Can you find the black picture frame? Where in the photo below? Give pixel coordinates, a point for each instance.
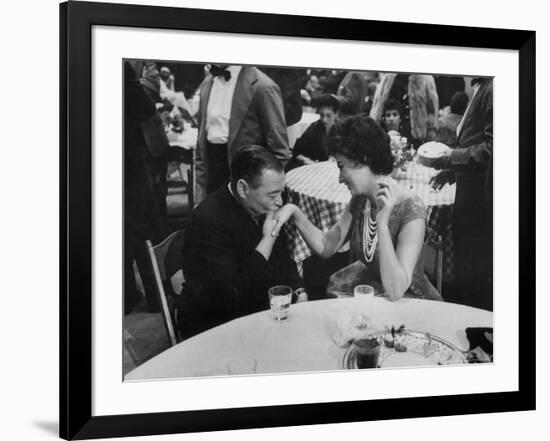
(76, 21)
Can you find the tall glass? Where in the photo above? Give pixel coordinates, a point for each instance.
(280, 297)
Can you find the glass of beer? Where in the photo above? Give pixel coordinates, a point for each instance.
(367, 351)
(280, 297)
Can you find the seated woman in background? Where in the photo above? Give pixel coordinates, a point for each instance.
(384, 222)
(392, 119)
(311, 147)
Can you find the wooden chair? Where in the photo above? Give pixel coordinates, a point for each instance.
(166, 259)
(433, 261)
(182, 156)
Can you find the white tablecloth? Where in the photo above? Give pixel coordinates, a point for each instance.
(185, 140)
(320, 181)
(303, 342)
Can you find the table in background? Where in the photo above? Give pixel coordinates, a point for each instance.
(315, 189)
(186, 139)
(303, 342)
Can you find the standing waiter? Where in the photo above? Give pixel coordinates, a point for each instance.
(239, 105)
(470, 164)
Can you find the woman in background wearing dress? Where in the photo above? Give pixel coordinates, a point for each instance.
(384, 222)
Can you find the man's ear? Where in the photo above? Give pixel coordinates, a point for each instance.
(242, 188)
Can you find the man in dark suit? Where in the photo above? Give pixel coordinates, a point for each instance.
(239, 105)
(471, 164)
(145, 149)
(231, 257)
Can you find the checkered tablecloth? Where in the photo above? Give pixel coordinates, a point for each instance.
(315, 189)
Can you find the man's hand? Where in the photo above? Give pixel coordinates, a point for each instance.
(441, 179)
(268, 239)
(282, 215)
(270, 223)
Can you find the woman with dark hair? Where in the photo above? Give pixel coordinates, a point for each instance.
(392, 118)
(384, 222)
(417, 95)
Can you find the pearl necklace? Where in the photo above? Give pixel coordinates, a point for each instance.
(370, 236)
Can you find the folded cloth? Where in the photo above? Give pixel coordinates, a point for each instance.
(481, 344)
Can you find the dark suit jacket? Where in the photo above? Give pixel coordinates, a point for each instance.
(257, 117)
(311, 144)
(472, 161)
(225, 276)
(145, 148)
(447, 129)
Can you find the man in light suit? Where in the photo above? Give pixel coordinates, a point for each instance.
(239, 105)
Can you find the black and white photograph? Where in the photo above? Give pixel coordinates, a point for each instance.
(281, 220)
(285, 219)
(274, 220)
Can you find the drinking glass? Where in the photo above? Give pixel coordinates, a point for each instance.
(367, 351)
(280, 297)
(363, 291)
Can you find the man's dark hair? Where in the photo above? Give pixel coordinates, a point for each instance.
(361, 140)
(393, 104)
(348, 108)
(250, 163)
(459, 102)
(326, 100)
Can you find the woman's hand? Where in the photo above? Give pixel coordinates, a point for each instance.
(386, 199)
(281, 216)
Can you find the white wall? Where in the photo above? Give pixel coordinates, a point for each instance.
(29, 184)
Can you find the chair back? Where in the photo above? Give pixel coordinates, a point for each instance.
(166, 259)
(432, 255)
(181, 156)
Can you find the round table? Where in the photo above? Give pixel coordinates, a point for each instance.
(303, 342)
(315, 189)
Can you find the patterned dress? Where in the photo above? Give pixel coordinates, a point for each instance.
(360, 271)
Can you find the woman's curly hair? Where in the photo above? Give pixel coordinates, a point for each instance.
(361, 140)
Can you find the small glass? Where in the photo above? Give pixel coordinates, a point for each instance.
(363, 291)
(367, 352)
(280, 298)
